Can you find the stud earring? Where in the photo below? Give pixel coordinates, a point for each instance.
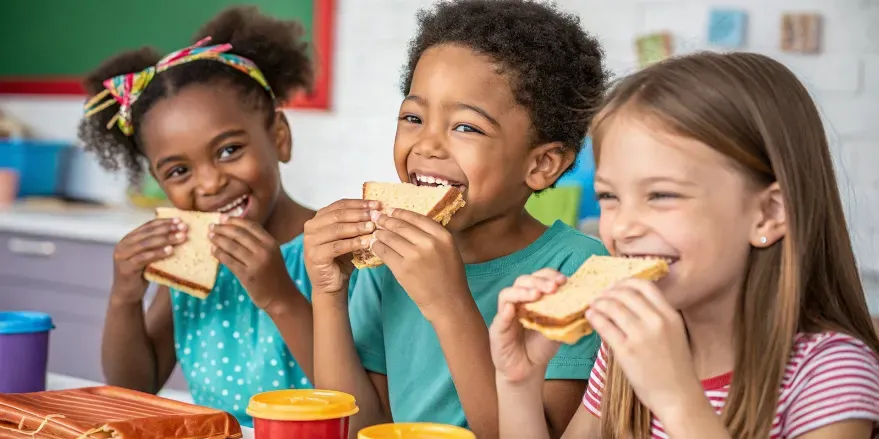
(763, 240)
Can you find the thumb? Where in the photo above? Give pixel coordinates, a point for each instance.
(541, 349)
(505, 324)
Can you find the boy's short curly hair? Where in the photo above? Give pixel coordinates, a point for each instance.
(273, 45)
(555, 68)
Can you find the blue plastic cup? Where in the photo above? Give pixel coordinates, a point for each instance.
(24, 351)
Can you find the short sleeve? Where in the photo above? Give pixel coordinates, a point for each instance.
(595, 388)
(837, 380)
(366, 318)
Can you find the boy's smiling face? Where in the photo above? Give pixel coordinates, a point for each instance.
(210, 153)
(461, 125)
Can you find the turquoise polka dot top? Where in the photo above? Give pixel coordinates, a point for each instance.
(229, 349)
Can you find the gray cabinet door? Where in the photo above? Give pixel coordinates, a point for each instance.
(70, 280)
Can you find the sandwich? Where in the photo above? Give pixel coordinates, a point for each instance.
(436, 202)
(560, 316)
(109, 412)
(192, 267)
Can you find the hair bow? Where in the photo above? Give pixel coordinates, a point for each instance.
(126, 89)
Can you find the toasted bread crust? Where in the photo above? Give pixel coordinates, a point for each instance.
(441, 213)
(652, 274)
(161, 277)
(569, 334)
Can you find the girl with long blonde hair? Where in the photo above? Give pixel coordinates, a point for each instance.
(718, 163)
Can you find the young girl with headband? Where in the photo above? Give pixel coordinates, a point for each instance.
(205, 122)
(718, 163)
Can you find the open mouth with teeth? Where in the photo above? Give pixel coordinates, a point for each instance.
(434, 181)
(668, 259)
(237, 208)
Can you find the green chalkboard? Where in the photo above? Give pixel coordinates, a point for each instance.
(47, 44)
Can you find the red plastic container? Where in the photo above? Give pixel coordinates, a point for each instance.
(301, 413)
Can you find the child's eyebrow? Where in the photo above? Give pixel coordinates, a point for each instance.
(165, 160)
(463, 106)
(226, 134)
(667, 179)
(458, 106)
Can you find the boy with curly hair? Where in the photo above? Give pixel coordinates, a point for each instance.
(498, 98)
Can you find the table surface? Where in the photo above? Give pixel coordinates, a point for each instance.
(63, 382)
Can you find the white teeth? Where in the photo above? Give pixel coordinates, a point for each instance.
(665, 258)
(431, 180)
(234, 205)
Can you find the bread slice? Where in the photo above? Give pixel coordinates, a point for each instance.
(438, 203)
(192, 268)
(559, 316)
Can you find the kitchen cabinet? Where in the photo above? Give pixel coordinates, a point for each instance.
(70, 280)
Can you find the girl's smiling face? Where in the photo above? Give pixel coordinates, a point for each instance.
(461, 125)
(668, 196)
(209, 153)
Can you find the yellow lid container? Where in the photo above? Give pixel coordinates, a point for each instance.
(415, 431)
(302, 405)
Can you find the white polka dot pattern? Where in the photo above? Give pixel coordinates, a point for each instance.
(229, 349)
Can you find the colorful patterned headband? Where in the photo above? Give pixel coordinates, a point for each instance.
(125, 89)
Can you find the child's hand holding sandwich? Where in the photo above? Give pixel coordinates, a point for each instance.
(254, 257)
(423, 257)
(330, 237)
(149, 243)
(521, 356)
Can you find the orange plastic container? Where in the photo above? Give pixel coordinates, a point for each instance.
(301, 413)
(415, 431)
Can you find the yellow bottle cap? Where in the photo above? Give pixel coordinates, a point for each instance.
(301, 405)
(415, 431)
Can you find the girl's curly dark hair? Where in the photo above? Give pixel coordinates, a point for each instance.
(273, 45)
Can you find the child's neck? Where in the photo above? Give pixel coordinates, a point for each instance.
(712, 335)
(287, 219)
(497, 237)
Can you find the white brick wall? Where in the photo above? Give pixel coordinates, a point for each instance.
(334, 152)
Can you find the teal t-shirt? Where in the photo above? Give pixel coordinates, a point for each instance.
(229, 349)
(393, 337)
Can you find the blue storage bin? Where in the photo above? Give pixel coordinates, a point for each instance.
(40, 165)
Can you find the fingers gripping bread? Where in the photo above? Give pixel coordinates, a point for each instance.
(438, 203)
(560, 316)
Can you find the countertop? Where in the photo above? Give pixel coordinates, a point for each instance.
(88, 223)
(97, 223)
(63, 382)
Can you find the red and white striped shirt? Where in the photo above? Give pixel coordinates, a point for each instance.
(831, 377)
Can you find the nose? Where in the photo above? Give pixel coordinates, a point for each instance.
(210, 181)
(431, 143)
(627, 223)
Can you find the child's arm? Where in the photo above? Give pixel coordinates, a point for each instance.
(528, 405)
(464, 341)
(422, 255)
(255, 258)
(337, 364)
(137, 350)
(330, 237)
(293, 317)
